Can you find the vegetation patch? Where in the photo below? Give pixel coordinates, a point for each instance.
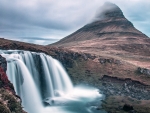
(9, 103)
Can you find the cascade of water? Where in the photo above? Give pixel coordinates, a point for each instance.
(24, 85)
(54, 77)
(38, 77)
(22, 72)
(55, 74)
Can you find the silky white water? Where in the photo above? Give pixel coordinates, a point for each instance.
(44, 86)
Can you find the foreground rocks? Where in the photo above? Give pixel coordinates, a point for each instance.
(125, 95)
(144, 71)
(124, 87)
(123, 104)
(127, 107)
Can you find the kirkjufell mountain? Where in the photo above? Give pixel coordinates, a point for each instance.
(110, 32)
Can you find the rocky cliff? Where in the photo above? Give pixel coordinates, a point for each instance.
(4, 82)
(9, 101)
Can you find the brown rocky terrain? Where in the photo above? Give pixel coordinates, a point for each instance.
(110, 75)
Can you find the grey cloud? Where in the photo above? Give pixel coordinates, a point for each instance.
(55, 19)
(14, 14)
(35, 40)
(138, 13)
(34, 18)
(38, 38)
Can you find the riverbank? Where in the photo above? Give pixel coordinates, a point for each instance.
(124, 95)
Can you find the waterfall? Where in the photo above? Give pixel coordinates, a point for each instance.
(39, 79)
(24, 86)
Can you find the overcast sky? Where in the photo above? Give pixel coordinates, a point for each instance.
(47, 21)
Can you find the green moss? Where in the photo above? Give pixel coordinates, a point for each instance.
(4, 109)
(13, 104)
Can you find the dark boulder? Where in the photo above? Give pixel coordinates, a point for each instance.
(144, 71)
(127, 107)
(3, 63)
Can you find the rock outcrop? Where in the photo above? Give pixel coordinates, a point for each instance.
(144, 71)
(3, 63)
(9, 101)
(127, 107)
(116, 86)
(4, 82)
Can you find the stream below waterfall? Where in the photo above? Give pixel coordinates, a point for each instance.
(45, 87)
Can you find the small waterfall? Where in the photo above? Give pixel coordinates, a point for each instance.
(38, 78)
(24, 85)
(55, 76)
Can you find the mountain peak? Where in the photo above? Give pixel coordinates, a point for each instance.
(110, 23)
(109, 11)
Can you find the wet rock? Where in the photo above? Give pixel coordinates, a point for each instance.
(98, 108)
(88, 73)
(4, 82)
(9, 101)
(3, 63)
(127, 107)
(102, 61)
(85, 57)
(124, 87)
(109, 60)
(117, 62)
(144, 71)
(90, 56)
